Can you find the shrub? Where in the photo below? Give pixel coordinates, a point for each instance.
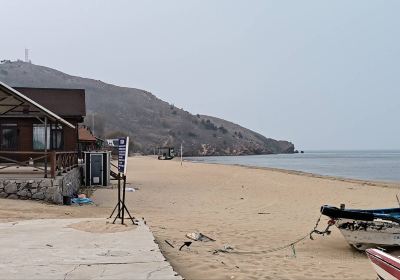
(172, 133)
(223, 129)
(164, 124)
(209, 125)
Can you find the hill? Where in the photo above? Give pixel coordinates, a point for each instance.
(149, 121)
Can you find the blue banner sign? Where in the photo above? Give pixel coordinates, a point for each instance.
(123, 145)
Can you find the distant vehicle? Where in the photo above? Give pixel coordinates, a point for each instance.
(166, 153)
(112, 145)
(112, 142)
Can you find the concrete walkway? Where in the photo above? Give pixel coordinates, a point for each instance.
(49, 249)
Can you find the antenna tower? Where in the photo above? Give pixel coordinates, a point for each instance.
(27, 55)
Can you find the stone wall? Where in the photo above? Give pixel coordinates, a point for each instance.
(47, 189)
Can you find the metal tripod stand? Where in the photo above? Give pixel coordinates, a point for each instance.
(121, 206)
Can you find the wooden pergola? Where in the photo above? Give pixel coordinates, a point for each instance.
(15, 105)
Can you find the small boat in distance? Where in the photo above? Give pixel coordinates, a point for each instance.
(365, 229)
(166, 153)
(386, 266)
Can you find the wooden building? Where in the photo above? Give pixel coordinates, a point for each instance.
(87, 141)
(39, 127)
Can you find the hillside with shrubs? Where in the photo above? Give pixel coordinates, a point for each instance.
(148, 120)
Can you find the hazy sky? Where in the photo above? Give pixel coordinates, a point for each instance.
(322, 74)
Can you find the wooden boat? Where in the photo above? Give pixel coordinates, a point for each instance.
(386, 266)
(366, 228)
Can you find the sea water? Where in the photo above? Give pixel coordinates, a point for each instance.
(364, 165)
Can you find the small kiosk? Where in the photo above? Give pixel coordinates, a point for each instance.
(97, 168)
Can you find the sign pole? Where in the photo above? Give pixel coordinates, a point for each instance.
(119, 193)
(123, 200)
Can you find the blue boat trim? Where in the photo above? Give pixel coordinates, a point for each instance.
(390, 214)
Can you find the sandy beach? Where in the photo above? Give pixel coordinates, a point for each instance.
(252, 210)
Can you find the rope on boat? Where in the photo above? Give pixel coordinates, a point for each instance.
(290, 245)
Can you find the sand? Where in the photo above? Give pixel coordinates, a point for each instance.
(102, 226)
(252, 210)
(14, 210)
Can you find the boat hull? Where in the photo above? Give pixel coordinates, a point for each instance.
(363, 235)
(386, 266)
(366, 228)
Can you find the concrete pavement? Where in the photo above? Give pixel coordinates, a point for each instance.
(50, 249)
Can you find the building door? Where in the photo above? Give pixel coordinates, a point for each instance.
(96, 169)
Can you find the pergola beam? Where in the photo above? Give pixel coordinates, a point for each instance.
(15, 96)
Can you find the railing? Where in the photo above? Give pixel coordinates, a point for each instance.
(52, 163)
(62, 162)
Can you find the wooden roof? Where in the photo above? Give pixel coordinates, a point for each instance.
(15, 104)
(84, 135)
(63, 102)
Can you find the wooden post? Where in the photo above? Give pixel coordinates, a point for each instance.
(45, 147)
(53, 164)
(54, 142)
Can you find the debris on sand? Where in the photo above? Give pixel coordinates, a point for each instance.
(225, 249)
(187, 244)
(169, 243)
(81, 201)
(198, 236)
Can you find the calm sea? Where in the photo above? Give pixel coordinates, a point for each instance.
(364, 165)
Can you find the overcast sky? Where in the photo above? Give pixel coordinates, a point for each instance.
(322, 74)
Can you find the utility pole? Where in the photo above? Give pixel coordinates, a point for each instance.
(93, 123)
(181, 153)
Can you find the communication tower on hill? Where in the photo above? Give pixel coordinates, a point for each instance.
(27, 55)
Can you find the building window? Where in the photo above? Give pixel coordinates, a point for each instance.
(9, 136)
(55, 137)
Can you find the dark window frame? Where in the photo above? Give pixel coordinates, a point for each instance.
(14, 127)
(53, 137)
